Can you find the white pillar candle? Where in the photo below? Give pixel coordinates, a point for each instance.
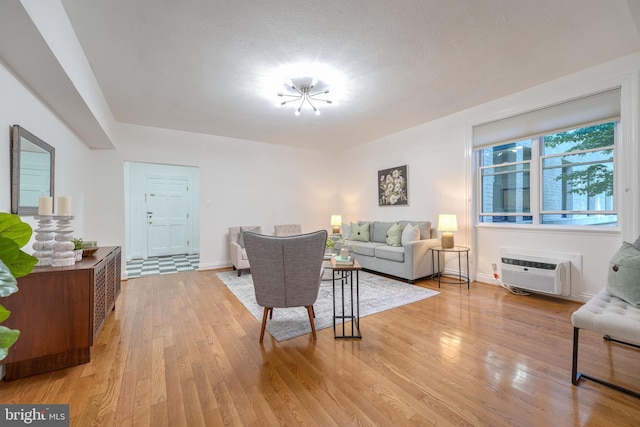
(64, 206)
(45, 205)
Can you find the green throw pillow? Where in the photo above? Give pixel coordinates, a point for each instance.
(359, 232)
(394, 235)
(623, 278)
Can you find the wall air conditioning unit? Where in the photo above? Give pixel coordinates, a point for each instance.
(549, 276)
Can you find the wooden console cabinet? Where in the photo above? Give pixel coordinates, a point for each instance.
(60, 311)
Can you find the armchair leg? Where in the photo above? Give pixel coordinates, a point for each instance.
(266, 311)
(311, 315)
(239, 272)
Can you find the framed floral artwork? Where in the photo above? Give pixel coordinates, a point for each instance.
(392, 187)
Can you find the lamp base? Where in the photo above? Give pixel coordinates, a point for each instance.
(447, 240)
(336, 229)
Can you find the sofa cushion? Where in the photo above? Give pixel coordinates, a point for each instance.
(394, 235)
(392, 253)
(623, 278)
(359, 232)
(365, 248)
(411, 233)
(379, 232)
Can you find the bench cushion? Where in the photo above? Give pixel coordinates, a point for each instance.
(609, 315)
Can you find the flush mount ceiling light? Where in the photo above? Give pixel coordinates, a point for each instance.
(306, 86)
(305, 93)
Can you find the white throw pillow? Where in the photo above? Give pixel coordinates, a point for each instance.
(411, 233)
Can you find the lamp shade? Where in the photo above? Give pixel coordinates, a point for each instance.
(336, 222)
(447, 222)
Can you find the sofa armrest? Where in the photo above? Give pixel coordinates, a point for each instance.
(236, 253)
(420, 247)
(418, 253)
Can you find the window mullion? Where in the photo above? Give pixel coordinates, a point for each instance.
(536, 178)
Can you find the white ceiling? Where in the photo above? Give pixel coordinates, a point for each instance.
(201, 65)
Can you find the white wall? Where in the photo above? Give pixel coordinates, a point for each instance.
(248, 183)
(18, 105)
(438, 154)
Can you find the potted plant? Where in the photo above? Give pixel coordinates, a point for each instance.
(14, 263)
(77, 249)
(330, 245)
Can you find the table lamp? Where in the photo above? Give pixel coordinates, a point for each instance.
(336, 222)
(447, 223)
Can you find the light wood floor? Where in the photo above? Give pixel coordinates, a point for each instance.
(180, 350)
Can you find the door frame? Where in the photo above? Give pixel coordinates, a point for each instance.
(136, 174)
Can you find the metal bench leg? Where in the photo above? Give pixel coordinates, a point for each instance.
(576, 375)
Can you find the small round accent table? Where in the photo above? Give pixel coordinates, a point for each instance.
(438, 250)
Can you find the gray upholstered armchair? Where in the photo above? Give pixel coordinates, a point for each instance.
(286, 271)
(236, 246)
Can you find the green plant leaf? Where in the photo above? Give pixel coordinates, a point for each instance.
(8, 283)
(4, 313)
(7, 338)
(13, 235)
(8, 250)
(17, 261)
(23, 265)
(12, 227)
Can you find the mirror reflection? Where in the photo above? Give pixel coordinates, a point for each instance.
(32, 171)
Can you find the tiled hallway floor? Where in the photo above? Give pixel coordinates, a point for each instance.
(162, 265)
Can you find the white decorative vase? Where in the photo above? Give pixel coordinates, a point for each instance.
(344, 253)
(78, 254)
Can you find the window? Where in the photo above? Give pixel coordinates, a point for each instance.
(577, 176)
(505, 175)
(562, 178)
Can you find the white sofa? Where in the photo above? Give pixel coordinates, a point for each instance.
(410, 261)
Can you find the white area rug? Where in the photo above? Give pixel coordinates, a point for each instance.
(377, 294)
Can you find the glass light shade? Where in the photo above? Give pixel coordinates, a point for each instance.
(336, 222)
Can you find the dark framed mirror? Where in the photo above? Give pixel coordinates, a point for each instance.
(32, 171)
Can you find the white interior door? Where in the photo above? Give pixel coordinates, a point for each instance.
(167, 216)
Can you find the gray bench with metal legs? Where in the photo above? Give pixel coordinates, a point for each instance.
(611, 317)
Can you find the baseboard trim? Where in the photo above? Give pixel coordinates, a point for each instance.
(213, 265)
